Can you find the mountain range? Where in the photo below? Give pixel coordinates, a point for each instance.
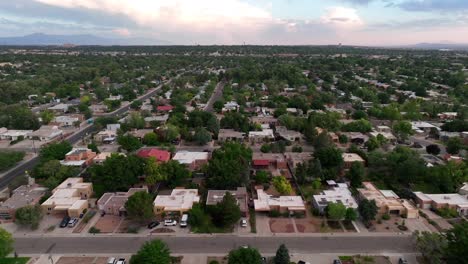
(40, 39)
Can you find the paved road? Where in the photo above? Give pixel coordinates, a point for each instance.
(216, 244)
(217, 93)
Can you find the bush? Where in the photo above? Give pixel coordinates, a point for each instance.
(94, 230)
(214, 262)
(88, 216)
(402, 227)
(274, 213)
(386, 217)
(252, 221)
(133, 229)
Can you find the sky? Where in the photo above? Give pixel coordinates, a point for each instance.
(234, 22)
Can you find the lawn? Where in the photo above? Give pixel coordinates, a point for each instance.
(22, 260)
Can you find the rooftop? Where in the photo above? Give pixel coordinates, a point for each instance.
(23, 196)
(265, 201)
(188, 157)
(352, 157)
(180, 199)
(160, 155)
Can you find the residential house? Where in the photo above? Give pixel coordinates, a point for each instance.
(164, 108)
(294, 158)
(13, 135)
(178, 202)
(289, 135)
(59, 108)
(230, 106)
(339, 194)
(350, 158)
(66, 121)
(103, 156)
(241, 195)
(98, 108)
(140, 133)
(265, 135)
(46, 133)
(160, 119)
(69, 198)
(275, 163)
(357, 138)
(114, 203)
(439, 201)
(421, 127)
(464, 189)
(230, 135)
(193, 160)
(108, 135)
(79, 157)
(264, 120)
(448, 115)
(25, 195)
(159, 154)
(387, 201)
(266, 203)
(115, 97)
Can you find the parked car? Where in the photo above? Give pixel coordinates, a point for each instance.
(64, 222)
(302, 262)
(72, 222)
(170, 222)
(111, 260)
(402, 261)
(184, 220)
(264, 260)
(243, 223)
(121, 261)
(336, 261)
(153, 224)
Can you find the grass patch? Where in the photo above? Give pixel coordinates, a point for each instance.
(21, 260)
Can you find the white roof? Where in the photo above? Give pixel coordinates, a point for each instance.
(340, 194)
(265, 201)
(63, 119)
(188, 157)
(352, 157)
(180, 199)
(264, 133)
(59, 107)
(451, 198)
(16, 133)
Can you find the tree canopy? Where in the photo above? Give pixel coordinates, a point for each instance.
(152, 252)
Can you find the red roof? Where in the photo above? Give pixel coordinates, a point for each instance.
(160, 155)
(261, 162)
(165, 108)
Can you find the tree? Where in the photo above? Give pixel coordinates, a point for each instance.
(457, 244)
(454, 145)
(244, 256)
(350, 214)
(135, 120)
(227, 212)
(139, 206)
(322, 141)
(129, 143)
(343, 139)
(368, 210)
(150, 139)
(329, 157)
(218, 106)
(6, 243)
(403, 129)
(47, 116)
(152, 252)
(92, 146)
(372, 144)
(176, 174)
(431, 245)
(29, 216)
(336, 211)
(282, 185)
(433, 149)
(202, 136)
(282, 255)
(153, 172)
(361, 125)
(136, 104)
(55, 151)
(356, 174)
(261, 177)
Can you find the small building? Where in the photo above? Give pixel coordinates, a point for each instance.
(164, 108)
(454, 201)
(159, 154)
(464, 189)
(289, 135)
(448, 115)
(25, 195)
(69, 198)
(338, 194)
(59, 108)
(357, 138)
(230, 106)
(79, 157)
(230, 135)
(350, 158)
(114, 203)
(98, 108)
(103, 156)
(216, 196)
(178, 202)
(66, 121)
(266, 161)
(193, 160)
(261, 136)
(160, 119)
(294, 158)
(421, 127)
(46, 133)
(106, 136)
(13, 135)
(266, 203)
(140, 133)
(387, 201)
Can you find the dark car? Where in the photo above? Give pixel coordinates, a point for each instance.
(336, 261)
(153, 224)
(402, 261)
(65, 221)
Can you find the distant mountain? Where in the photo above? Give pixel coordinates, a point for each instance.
(40, 39)
(437, 46)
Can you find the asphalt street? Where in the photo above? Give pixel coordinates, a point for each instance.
(215, 244)
(217, 94)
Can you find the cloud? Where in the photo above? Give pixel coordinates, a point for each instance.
(342, 17)
(358, 2)
(434, 5)
(122, 32)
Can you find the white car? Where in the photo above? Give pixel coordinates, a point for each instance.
(243, 223)
(72, 222)
(170, 222)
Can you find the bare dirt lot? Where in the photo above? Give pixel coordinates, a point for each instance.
(82, 260)
(282, 225)
(108, 223)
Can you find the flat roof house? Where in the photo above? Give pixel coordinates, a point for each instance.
(79, 157)
(46, 133)
(261, 136)
(114, 203)
(159, 154)
(339, 194)
(22, 196)
(70, 198)
(66, 121)
(455, 201)
(216, 196)
(266, 202)
(6, 134)
(178, 202)
(350, 158)
(289, 135)
(193, 160)
(387, 201)
(230, 135)
(274, 162)
(59, 108)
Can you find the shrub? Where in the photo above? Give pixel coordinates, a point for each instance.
(403, 227)
(94, 230)
(252, 221)
(214, 262)
(386, 217)
(274, 213)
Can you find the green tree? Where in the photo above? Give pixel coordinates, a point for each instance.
(244, 256)
(351, 214)
(322, 141)
(29, 216)
(47, 116)
(454, 145)
(372, 144)
(153, 172)
(226, 213)
(457, 244)
(403, 129)
(202, 136)
(152, 252)
(139, 206)
(282, 255)
(136, 104)
(92, 146)
(176, 174)
(129, 142)
(55, 151)
(151, 139)
(431, 245)
(433, 149)
(356, 174)
(336, 211)
(6, 243)
(329, 157)
(282, 185)
(261, 177)
(368, 210)
(135, 120)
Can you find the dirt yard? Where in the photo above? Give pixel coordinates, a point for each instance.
(82, 260)
(282, 225)
(308, 225)
(108, 223)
